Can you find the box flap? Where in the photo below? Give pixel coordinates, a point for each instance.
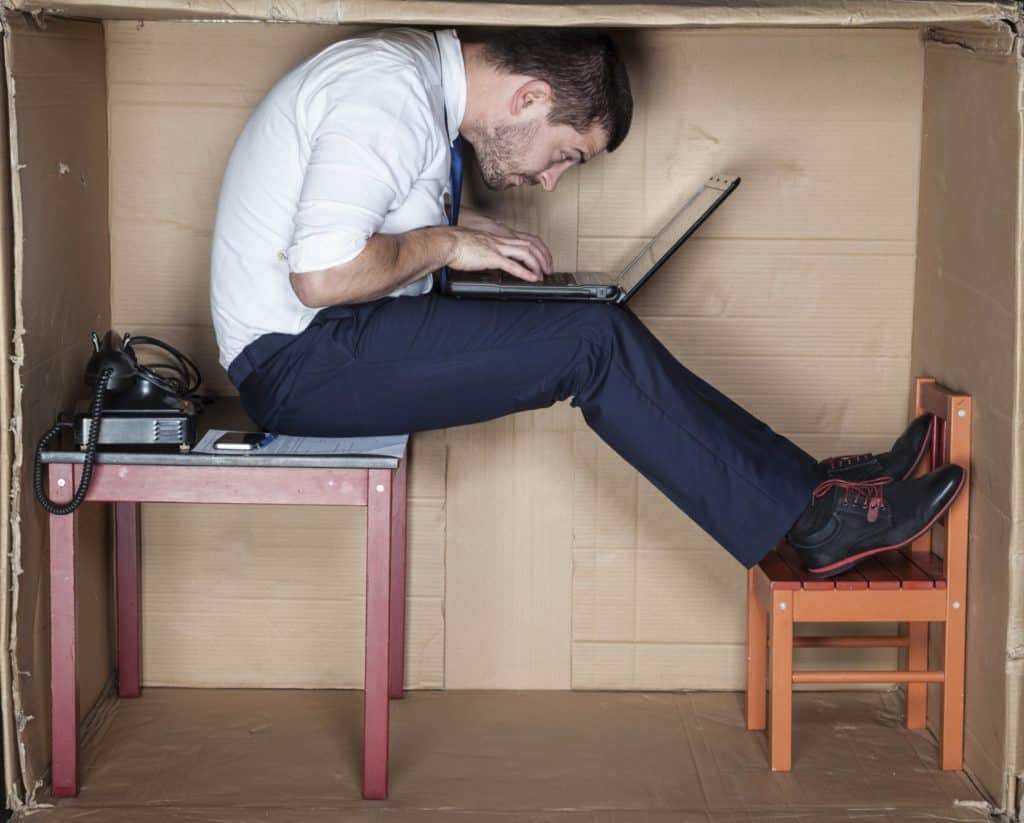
(446, 12)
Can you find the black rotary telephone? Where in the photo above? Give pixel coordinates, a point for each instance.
(132, 405)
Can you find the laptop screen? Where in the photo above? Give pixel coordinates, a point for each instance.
(685, 222)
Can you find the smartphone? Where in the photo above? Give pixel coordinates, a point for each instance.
(239, 441)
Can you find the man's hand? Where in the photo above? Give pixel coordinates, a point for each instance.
(474, 220)
(474, 250)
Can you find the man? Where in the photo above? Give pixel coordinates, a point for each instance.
(331, 221)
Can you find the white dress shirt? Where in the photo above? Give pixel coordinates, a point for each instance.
(350, 143)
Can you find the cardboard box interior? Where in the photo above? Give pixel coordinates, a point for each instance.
(875, 237)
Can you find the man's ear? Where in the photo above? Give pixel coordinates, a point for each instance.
(529, 96)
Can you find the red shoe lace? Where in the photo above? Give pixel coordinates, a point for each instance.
(848, 458)
(867, 494)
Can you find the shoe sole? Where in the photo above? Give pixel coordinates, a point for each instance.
(924, 448)
(848, 563)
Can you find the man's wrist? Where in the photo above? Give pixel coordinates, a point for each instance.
(447, 243)
(432, 247)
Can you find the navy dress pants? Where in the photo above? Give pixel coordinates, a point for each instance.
(407, 364)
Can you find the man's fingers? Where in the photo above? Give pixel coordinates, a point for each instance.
(545, 254)
(520, 250)
(538, 250)
(510, 263)
(513, 268)
(542, 249)
(524, 257)
(524, 253)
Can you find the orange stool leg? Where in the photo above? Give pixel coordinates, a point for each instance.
(917, 661)
(780, 729)
(952, 746)
(757, 658)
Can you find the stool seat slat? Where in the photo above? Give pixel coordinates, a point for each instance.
(910, 576)
(778, 572)
(929, 563)
(877, 575)
(807, 581)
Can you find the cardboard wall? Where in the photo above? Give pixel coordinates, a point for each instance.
(57, 97)
(967, 332)
(795, 299)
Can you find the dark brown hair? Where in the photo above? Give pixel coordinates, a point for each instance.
(584, 68)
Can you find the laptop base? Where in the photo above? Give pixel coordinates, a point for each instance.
(529, 291)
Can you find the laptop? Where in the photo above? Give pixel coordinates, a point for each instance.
(598, 286)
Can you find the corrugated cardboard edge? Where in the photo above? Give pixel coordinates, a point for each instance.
(12, 707)
(748, 13)
(1015, 623)
(995, 40)
(6, 444)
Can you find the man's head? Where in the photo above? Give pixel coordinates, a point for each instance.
(540, 100)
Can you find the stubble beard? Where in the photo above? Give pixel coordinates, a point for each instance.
(501, 150)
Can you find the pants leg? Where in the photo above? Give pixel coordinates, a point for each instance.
(408, 364)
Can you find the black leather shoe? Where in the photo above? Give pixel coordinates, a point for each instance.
(898, 463)
(852, 521)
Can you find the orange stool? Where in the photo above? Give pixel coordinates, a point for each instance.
(911, 585)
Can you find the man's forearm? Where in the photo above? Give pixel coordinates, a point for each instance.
(388, 262)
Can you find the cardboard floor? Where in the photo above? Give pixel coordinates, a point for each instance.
(199, 755)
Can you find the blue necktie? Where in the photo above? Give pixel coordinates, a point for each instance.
(456, 193)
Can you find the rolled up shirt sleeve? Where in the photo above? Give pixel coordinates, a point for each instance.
(366, 152)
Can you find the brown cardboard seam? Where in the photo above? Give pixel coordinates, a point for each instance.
(1014, 670)
(765, 13)
(6, 706)
(8, 735)
(15, 791)
(999, 40)
(1015, 637)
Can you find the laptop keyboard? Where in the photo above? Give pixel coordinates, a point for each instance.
(558, 278)
(500, 278)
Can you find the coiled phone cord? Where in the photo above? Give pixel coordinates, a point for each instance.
(96, 412)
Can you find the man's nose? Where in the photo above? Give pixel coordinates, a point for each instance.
(549, 177)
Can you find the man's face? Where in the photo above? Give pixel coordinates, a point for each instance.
(531, 151)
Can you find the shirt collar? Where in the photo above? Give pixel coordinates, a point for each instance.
(454, 80)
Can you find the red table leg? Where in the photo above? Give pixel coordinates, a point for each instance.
(63, 671)
(126, 537)
(396, 678)
(378, 606)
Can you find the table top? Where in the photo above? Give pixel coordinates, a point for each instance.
(223, 413)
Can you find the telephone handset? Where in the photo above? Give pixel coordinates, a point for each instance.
(132, 404)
